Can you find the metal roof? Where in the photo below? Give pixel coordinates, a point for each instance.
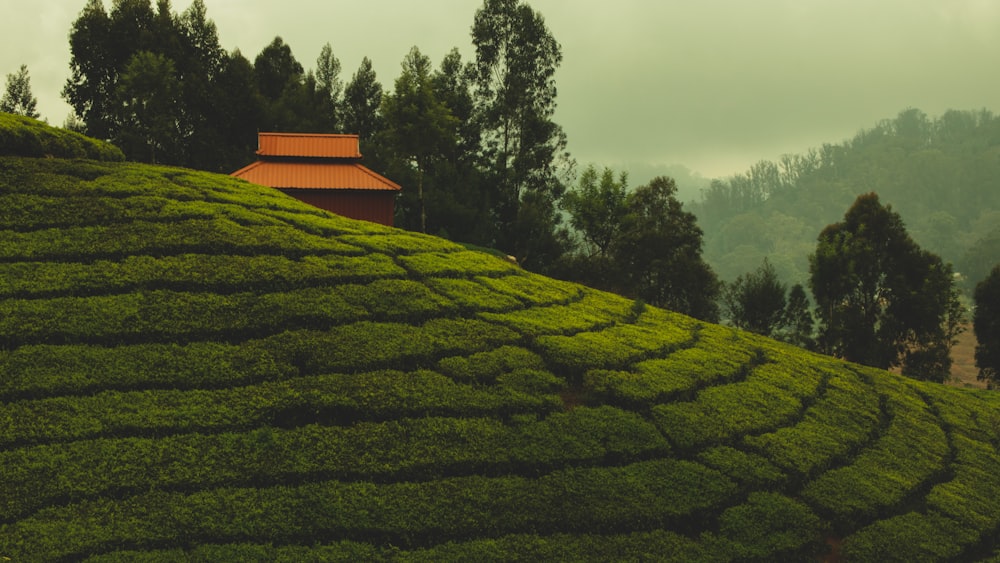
(312, 145)
(315, 175)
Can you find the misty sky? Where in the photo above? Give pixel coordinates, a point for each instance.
(714, 85)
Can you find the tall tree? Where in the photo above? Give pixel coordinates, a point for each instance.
(756, 301)
(881, 300)
(148, 93)
(329, 85)
(362, 99)
(986, 325)
(17, 96)
(93, 71)
(276, 69)
(516, 60)
(419, 126)
(659, 253)
(798, 321)
(596, 209)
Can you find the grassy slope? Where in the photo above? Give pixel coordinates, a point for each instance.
(196, 368)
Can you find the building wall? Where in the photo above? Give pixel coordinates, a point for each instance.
(377, 206)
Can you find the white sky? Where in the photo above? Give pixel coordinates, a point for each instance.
(714, 85)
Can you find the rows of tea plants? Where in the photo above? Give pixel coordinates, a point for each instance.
(195, 368)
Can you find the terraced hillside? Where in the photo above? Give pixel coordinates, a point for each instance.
(195, 368)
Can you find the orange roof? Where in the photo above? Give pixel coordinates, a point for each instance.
(315, 175)
(308, 145)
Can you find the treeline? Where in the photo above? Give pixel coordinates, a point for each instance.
(473, 142)
(941, 175)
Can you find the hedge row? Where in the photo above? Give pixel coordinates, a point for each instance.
(914, 536)
(663, 379)
(485, 367)
(645, 495)
(393, 299)
(615, 347)
(910, 454)
(408, 449)
(533, 290)
(176, 316)
(344, 398)
(43, 370)
(554, 319)
(24, 136)
(191, 272)
(473, 297)
(457, 264)
(399, 243)
(746, 468)
(769, 398)
(216, 236)
(659, 545)
(724, 413)
(836, 426)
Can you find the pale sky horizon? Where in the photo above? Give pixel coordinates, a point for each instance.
(713, 85)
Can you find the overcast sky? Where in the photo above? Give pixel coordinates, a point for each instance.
(714, 85)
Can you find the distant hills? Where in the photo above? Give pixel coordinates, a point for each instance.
(196, 368)
(942, 175)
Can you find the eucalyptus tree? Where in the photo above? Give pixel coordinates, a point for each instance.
(362, 99)
(523, 149)
(418, 125)
(881, 300)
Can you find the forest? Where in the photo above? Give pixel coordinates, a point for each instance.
(484, 164)
(941, 174)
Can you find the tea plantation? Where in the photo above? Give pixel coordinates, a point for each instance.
(193, 368)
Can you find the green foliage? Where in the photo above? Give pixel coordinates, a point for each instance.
(883, 301)
(24, 136)
(756, 301)
(911, 452)
(771, 526)
(986, 325)
(775, 208)
(17, 97)
(659, 253)
(196, 368)
(516, 59)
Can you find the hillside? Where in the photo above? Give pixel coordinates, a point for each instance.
(196, 368)
(942, 175)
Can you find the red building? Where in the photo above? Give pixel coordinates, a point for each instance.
(324, 171)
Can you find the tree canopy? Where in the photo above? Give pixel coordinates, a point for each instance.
(986, 326)
(881, 300)
(17, 97)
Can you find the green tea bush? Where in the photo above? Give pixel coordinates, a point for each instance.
(912, 451)
(837, 425)
(593, 500)
(913, 536)
(554, 319)
(748, 469)
(39, 371)
(24, 136)
(533, 290)
(393, 299)
(407, 449)
(401, 243)
(487, 366)
(680, 373)
(217, 236)
(456, 264)
(771, 526)
(723, 413)
(471, 296)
